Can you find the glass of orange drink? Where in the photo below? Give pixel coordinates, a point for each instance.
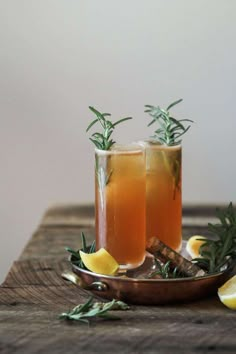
(120, 198)
(163, 193)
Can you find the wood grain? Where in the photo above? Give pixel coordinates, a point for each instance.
(34, 294)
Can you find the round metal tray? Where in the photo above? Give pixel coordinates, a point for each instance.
(134, 289)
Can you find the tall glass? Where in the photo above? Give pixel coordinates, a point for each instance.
(163, 193)
(120, 203)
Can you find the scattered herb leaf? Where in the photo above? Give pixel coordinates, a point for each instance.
(90, 309)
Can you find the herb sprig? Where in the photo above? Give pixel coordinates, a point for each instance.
(216, 253)
(170, 129)
(165, 271)
(84, 312)
(86, 249)
(103, 140)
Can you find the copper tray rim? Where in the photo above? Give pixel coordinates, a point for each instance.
(144, 280)
(127, 279)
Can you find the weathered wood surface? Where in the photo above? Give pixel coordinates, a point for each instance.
(34, 294)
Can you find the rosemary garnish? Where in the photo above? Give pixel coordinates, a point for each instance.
(90, 309)
(86, 249)
(169, 132)
(172, 161)
(103, 140)
(102, 176)
(165, 270)
(171, 129)
(216, 253)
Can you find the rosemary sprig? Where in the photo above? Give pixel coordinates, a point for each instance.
(87, 249)
(103, 176)
(103, 140)
(170, 129)
(216, 253)
(165, 270)
(84, 312)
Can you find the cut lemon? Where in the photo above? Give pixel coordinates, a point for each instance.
(227, 293)
(100, 262)
(194, 244)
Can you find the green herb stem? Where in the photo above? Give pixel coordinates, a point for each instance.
(171, 129)
(103, 140)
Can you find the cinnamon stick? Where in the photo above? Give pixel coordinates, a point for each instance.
(164, 253)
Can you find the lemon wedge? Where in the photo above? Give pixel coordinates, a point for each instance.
(100, 262)
(227, 293)
(193, 245)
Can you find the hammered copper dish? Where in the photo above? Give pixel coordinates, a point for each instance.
(134, 289)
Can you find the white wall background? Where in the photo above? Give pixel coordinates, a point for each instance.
(59, 56)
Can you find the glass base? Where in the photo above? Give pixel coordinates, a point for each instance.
(124, 267)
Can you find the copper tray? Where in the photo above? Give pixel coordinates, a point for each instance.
(134, 289)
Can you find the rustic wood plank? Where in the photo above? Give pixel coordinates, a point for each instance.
(69, 215)
(40, 282)
(61, 226)
(142, 329)
(50, 242)
(44, 272)
(34, 294)
(77, 215)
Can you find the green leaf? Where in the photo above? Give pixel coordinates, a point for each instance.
(182, 133)
(109, 144)
(83, 241)
(186, 120)
(149, 106)
(106, 114)
(177, 123)
(174, 103)
(121, 120)
(98, 114)
(98, 136)
(91, 124)
(97, 143)
(152, 121)
(93, 247)
(74, 253)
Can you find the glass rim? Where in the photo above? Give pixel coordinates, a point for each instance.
(130, 148)
(158, 144)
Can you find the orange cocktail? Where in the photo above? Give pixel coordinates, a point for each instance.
(163, 193)
(120, 203)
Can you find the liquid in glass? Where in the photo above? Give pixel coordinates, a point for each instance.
(120, 200)
(163, 194)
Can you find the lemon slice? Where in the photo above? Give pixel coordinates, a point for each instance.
(193, 245)
(100, 262)
(227, 293)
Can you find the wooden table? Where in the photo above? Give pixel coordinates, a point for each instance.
(34, 294)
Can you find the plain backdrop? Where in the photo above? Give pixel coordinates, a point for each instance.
(57, 57)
